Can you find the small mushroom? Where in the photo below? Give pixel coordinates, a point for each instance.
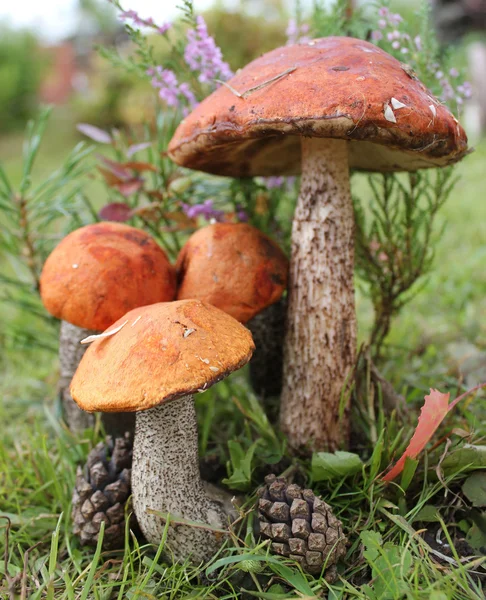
(93, 277)
(154, 368)
(234, 267)
(289, 112)
(237, 268)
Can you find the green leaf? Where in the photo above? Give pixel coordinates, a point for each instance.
(474, 488)
(467, 458)
(372, 541)
(409, 469)
(327, 466)
(476, 536)
(241, 466)
(427, 514)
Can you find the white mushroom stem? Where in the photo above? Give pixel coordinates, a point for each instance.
(320, 345)
(166, 478)
(71, 351)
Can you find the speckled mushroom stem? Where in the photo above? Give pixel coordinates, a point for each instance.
(320, 344)
(71, 351)
(166, 478)
(70, 354)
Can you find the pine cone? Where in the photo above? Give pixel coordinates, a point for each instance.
(101, 491)
(301, 526)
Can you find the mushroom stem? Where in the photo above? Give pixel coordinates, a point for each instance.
(70, 354)
(320, 344)
(71, 351)
(166, 478)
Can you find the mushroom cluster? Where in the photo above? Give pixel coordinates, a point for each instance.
(158, 358)
(319, 109)
(92, 278)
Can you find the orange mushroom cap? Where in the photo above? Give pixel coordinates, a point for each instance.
(233, 266)
(99, 272)
(335, 87)
(162, 352)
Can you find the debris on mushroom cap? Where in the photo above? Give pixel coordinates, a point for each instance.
(143, 366)
(99, 272)
(258, 133)
(234, 267)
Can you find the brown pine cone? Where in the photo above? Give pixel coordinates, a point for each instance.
(101, 491)
(301, 526)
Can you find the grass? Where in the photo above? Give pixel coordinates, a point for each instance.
(392, 531)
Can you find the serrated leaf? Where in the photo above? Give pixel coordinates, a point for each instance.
(327, 465)
(432, 413)
(474, 488)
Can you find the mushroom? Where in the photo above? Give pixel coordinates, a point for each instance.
(156, 361)
(319, 108)
(93, 277)
(240, 270)
(234, 267)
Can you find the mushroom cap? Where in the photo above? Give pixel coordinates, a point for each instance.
(234, 267)
(335, 87)
(99, 272)
(164, 351)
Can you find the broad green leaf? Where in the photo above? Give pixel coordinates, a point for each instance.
(427, 514)
(474, 488)
(327, 466)
(469, 457)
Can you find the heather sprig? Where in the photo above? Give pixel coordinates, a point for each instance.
(297, 33)
(203, 56)
(132, 17)
(194, 66)
(420, 52)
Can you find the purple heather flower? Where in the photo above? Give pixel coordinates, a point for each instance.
(204, 56)
(274, 182)
(453, 72)
(205, 210)
(418, 42)
(170, 91)
(376, 36)
(297, 34)
(241, 214)
(382, 23)
(383, 11)
(395, 19)
(139, 22)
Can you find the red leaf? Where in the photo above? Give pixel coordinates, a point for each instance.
(139, 166)
(129, 187)
(116, 211)
(115, 167)
(110, 178)
(432, 414)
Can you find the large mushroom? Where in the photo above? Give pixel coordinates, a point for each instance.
(319, 108)
(240, 270)
(93, 277)
(160, 357)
